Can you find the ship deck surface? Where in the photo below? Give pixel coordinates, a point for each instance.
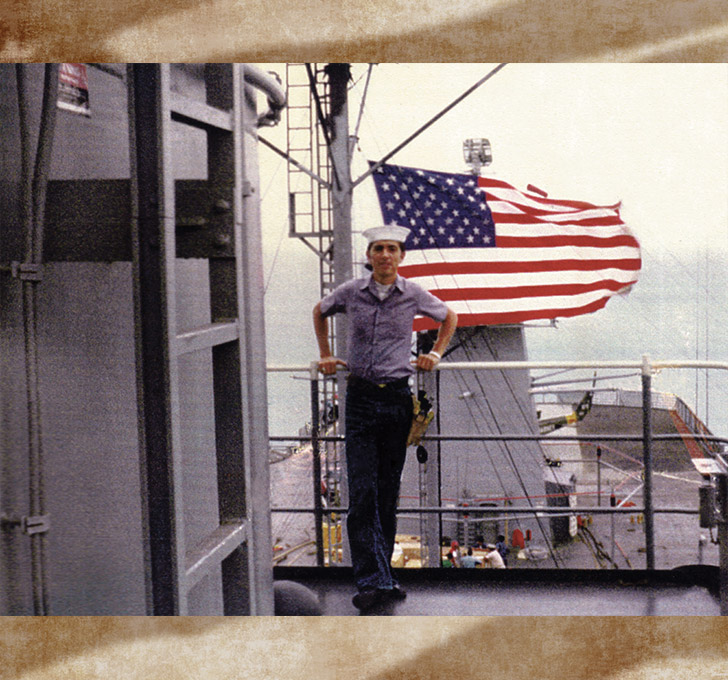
(689, 591)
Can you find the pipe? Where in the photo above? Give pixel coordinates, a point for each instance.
(34, 198)
(273, 90)
(525, 365)
(318, 505)
(647, 454)
(527, 511)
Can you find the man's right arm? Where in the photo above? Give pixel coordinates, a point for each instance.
(328, 362)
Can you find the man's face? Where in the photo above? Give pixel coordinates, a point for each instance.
(385, 257)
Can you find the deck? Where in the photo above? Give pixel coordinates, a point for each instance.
(685, 591)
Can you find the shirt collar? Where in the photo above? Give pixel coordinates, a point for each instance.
(369, 283)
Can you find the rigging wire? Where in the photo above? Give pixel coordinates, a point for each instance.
(673, 339)
(430, 122)
(527, 418)
(355, 136)
(283, 233)
(693, 274)
(453, 196)
(462, 384)
(504, 446)
(460, 379)
(647, 252)
(507, 448)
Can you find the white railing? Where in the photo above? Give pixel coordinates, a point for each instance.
(714, 493)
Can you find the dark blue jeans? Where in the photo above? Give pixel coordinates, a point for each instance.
(377, 424)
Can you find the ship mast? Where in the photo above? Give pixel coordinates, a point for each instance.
(320, 203)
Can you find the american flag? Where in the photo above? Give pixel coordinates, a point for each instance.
(498, 255)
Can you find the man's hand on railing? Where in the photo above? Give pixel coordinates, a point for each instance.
(329, 365)
(426, 362)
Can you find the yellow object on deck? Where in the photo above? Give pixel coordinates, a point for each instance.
(332, 537)
(420, 422)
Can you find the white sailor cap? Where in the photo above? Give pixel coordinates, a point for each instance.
(388, 232)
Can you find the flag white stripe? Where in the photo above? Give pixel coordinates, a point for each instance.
(506, 281)
(490, 306)
(515, 196)
(505, 207)
(592, 253)
(547, 229)
(453, 255)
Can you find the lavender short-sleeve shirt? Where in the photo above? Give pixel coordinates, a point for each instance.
(380, 331)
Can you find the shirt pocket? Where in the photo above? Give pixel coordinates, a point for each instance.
(396, 320)
(362, 324)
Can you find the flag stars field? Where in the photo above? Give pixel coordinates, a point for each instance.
(498, 255)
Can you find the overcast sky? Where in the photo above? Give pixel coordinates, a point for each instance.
(653, 136)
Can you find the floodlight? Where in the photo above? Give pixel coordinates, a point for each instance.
(477, 154)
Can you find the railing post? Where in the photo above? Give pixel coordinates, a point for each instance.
(599, 476)
(613, 504)
(316, 452)
(432, 535)
(647, 458)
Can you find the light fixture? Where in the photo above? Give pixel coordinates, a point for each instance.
(477, 154)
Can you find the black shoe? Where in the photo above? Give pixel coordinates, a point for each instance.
(366, 599)
(397, 593)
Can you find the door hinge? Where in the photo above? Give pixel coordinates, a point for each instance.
(26, 271)
(33, 524)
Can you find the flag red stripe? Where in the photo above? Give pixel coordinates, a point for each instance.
(489, 182)
(523, 218)
(578, 240)
(492, 198)
(455, 268)
(511, 292)
(495, 318)
(530, 250)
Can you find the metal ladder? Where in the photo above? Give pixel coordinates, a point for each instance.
(309, 200)
(311, 219)
(202, 220)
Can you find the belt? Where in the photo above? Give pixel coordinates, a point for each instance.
(398, 384)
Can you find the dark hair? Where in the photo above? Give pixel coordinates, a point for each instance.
(402, 247)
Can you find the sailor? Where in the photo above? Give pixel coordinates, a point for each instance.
(502, 548)
(381, 308)
(469, 561)
(493, 558)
